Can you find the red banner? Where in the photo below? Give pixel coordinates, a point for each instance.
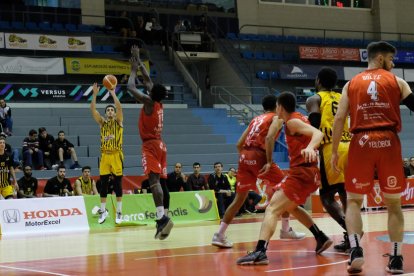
(376, 199)
(329, 53)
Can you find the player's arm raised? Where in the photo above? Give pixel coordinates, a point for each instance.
(119, 113)
(297, 126)
(132, 89)
(147, 79)
(95, 114)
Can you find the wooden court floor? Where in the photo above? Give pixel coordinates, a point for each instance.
(134, 251)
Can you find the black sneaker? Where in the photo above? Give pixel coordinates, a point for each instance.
(344, 246)
(395, 265)
(322, 243)
(356, 260)
(254, 258)
(164, 226)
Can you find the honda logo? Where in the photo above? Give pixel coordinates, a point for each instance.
(11, 216)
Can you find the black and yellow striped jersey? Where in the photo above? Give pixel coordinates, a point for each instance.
(111, 136)
(86, 187)
(5, 164)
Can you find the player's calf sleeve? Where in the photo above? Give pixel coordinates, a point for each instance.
(118, 185)
(104, 185)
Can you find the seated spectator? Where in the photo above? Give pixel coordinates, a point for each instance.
(63, 149)
(13, 153)
(111, 183)
(32, 151)
(196, 181)
(5, 118)
(58, 185)
(46, 145)
(85, 185)
(221, 186)
(27, 184)
(406, 166)
(411, 166)
(176, 180)
(6, 173)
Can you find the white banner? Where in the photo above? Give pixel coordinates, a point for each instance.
(47, 42)
(31, 66)
(350, 72)
(42, 215)
(1, 40)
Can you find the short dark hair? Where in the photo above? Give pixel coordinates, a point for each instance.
(158, 92)
(32, 132)
(196, 164)
(86, 168)
(61, 131)
(3, 138)
(269, 102)
(218, 163)
(379, 47)
(110, 105)
(41, 129)
(61, 167)
(327, 78)
(287, 100)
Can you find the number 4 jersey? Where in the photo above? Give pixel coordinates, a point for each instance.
(374, 101)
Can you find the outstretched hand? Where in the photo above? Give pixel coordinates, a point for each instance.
(135, 51)
(134, 63)
(95, 89)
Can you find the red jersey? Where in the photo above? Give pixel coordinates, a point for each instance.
(150, 126)
(374, 101)
(257, 131)
(296, 143)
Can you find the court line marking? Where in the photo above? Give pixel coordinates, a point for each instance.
(305, 267)
(33, 270)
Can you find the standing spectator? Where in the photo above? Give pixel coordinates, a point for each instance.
(85, 185)
(218, 182)
(58, 185)
(65, 150)
(46, 145)
(27, 184)
(31, 149)
(196, 181)
(6, 173)
(5, 117)
(13, 153)
(176, 179)
(411, 166)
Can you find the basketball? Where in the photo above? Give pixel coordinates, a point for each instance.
(110, 82)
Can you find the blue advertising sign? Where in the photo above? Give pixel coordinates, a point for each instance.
(404, 57)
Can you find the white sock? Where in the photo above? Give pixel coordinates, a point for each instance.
(396, 248)
(285, 224)
(103, 206)
(222, 228)
(354, 240)
(160, 212)
(119, 206)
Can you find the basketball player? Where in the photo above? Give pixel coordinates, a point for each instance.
(322, 109)
(302, 179)
(256, 146)
(6, 172)
(372, 99)
(111, 151)
(154, 151)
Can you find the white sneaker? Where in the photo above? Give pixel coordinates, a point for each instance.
(55, 166)
(102, 216)
(291, 235)
(221, 241)
(118, 218)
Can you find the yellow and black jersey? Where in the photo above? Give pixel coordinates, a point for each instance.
(86, 186)
(5, 164)
(111, 136)
(329, 107)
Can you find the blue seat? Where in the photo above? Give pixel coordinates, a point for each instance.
(231, 36)
(247, 54)
(260, 56)
(71, 27)
(108, 49)
(58, 27)
(17, 25)
(153, 73)
(45, 26)
(268, 55)
(276, 38)
(5, 25)
(244, 37)
(277, 56)
(97, 49)
(274, 75)
(32, 26)
(291, 39)
(262, 75)
(86, 28)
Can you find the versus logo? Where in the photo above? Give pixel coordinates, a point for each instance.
(204, 204)
(11, 216)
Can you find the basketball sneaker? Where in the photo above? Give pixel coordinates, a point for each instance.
(221, 241)
(254, 258)
(118, 218)
(102, 216)
(344, 246)
(291, 235)
(164, 226)
(322, 243)
(395, 265)
(356, 260)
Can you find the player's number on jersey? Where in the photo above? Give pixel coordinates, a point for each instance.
(334, 107)
(372, 91)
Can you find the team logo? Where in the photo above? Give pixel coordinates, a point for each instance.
(363, 140)
(392, 181)
(204, 204)
(11, 216)
(75, 64)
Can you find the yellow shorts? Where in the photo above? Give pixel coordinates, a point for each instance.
(7, 191)
(332, 176)
(111, 162)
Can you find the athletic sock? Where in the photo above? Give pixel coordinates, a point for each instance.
(396, 248)
(261, 245)
(119, 206)
(285, 224)
(315, 230)
(354, 240)
(160, 212)
(222, 228)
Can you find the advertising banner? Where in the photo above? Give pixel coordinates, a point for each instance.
(376, 199)
(43, 215)
(139, 209)
(329, 53)
(305, 72)
(99, 66)
(1, 40)
(47, 42)
(31, 66)
(404, 57)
